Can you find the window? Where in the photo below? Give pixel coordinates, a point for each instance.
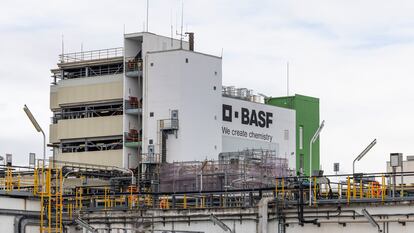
(301, 158)
(301, 137)
(91, 144)
(186, 60)
(214, 88)
(150, 141)
(152, 64)
(88, 111)
(215, 72)
(286, 135)
(151, 114)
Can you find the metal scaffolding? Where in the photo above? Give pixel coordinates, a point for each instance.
(233, 170)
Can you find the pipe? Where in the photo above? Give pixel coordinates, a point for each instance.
(127, 171)
(28, 222)
(17, 221)
(263, 214)
(190, 40)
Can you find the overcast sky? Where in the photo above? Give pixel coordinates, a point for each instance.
(356, 56)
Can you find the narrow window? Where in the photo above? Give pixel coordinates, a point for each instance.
(301, 158)
(286, 135)
(301, 137)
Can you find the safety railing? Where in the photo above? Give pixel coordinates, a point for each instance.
(133, 64)
(46, 182)
(150, 158)
(168, 124)
(92, 55)
(133, 103)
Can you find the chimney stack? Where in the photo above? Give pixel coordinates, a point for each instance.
(191, 40)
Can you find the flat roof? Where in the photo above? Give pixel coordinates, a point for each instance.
(133, 35)
(184, 50)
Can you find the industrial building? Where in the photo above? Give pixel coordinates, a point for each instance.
(145, 138)
(157, 100)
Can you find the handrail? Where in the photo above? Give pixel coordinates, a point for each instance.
(92, 55)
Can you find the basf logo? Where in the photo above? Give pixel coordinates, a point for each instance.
(248, 117)
(244, 119)
(250, 125)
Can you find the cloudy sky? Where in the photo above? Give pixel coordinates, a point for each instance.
(356, 56)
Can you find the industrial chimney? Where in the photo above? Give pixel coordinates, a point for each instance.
(191, 40)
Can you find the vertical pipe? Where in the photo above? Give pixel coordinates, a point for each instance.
(339, 191)
(310, 173)
(41, 199)
(348, 190)
(56, 201)
(61, 200)
(80, 198)
(49, 196)
(402, 178)
(276, 184)
(372, 190)
(361, 193)
(383, 189)
(314, 190)
(353, 188)
(130, 198)
(18, 182)
(35, 181)
(185, 202)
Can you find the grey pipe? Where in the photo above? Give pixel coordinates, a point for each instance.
(28, 222)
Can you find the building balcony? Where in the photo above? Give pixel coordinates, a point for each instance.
(132, 139)
(105, 158)
(89, 127)
(95, 89)
(150, 158)
(169, 124)
(133, 106)
(133, 67)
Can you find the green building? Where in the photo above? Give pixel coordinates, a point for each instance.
(307, 122)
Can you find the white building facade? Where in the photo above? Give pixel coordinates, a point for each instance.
(157, 102)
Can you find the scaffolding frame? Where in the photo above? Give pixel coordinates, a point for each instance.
(234, 170)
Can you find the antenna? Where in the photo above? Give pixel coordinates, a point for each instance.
(181, 34)
(147, 13)
(182, 22)
(171, 25)
(287, 79)
(63, 48)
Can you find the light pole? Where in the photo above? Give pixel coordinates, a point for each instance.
(37, 127)
(363, 153)
(313, 140)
